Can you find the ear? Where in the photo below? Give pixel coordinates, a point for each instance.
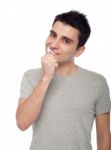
(79, 51)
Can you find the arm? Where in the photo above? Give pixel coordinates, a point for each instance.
(29, 108)
(103, 131)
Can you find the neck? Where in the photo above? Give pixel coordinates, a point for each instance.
(66, 68)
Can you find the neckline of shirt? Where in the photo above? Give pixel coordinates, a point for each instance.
(69, 76)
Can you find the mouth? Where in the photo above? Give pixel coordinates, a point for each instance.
(52, 51)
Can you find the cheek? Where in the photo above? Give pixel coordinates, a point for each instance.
(69, 51)
(48, 40)
(46, 43)
(67, 54)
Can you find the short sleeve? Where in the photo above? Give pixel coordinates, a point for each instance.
(103, 103)
(25, 86)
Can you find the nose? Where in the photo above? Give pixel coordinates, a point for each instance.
(55, 44)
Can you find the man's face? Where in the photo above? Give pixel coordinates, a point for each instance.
(63, 41)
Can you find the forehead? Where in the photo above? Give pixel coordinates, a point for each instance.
(62, 29)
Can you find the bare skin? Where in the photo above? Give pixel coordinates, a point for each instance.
(103, 131)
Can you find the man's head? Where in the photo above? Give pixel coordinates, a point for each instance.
(68, 36)
(76, 20)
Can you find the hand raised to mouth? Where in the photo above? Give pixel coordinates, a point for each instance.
(49, 63)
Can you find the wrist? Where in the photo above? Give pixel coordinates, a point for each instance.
(46, 78)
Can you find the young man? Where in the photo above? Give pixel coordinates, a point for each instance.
(61, 99)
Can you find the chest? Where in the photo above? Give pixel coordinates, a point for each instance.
(67, 99)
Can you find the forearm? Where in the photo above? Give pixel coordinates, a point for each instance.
(29, 110)
(104, 143)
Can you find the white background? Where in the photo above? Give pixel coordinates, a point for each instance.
(24, 26)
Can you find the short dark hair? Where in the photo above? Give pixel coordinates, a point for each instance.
(77, 20)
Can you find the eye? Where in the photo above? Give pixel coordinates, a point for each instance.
(66, 41)
(52, 35)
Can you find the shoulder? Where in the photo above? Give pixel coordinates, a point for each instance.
(92, 76)
(31, 73)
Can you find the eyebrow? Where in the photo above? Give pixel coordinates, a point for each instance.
(64, 37)
(51, 31)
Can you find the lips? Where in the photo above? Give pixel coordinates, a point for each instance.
(55, 52)
(52, 51)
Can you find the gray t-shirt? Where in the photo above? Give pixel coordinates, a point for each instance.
(70, 105)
